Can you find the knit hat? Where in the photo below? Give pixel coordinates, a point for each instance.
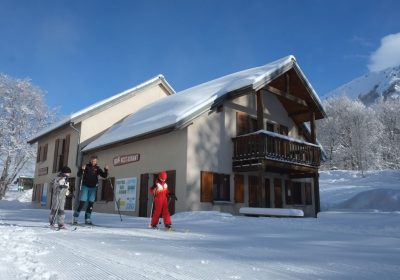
(65, 170)
(162, 175)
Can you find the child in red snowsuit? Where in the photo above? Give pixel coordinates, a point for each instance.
(160, 205)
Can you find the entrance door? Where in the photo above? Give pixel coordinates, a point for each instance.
(267, 193)
(171, 181)
(278, 193)
(143, 199)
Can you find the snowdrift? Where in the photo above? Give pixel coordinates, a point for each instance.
(379, 199)
(376, 190)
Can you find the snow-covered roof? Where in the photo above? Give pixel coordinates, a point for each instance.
(177, 110)
(101, 105)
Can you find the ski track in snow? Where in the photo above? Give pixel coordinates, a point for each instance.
(338, 245)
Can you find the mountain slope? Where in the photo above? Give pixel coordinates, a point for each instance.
(370, 87)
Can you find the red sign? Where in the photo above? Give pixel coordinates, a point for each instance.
(120, 160)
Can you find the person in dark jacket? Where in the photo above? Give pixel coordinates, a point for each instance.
(90, 173)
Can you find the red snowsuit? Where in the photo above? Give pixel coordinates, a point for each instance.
(160, 192)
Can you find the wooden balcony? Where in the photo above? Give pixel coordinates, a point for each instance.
(269, 151)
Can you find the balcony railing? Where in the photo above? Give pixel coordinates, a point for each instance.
(260, 145)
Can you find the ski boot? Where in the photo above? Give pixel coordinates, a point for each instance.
(88, 222)
(168, 227)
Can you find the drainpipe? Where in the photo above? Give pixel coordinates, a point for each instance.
(78, 164)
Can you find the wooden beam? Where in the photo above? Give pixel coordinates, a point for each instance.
(313, 129)
(317, 203)
(301, 175)
(287, 82)
(300, 112)
(286, 95)
(260, 111)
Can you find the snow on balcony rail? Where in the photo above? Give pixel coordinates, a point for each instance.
(277, 135)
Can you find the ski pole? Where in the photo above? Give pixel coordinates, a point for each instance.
(116, 203)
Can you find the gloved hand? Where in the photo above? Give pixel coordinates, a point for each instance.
(172, 196)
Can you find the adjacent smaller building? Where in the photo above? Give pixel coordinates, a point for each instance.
(60, 144)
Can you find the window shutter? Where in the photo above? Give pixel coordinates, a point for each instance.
(242, 123)
(46, 147)
(239, 188)
(56, 155)
(38, 153)
(66, 150)
(206, 187)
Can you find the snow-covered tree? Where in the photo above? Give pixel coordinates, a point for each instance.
(351, 135)
(22, 113)
(388, 113)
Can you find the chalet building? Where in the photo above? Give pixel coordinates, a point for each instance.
(60, 144)
(247, 139)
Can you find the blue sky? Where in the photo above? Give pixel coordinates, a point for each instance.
(80, 52)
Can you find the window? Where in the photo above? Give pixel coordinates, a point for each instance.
(214, 187)
(45, 148)
(293, 192)
(245, 123)
(308, 193)
(283, 130)
(288, 192)
(61, 152)
(221, 187)
(107, 192)
(42, 153)
(270, 127)
(296, 188)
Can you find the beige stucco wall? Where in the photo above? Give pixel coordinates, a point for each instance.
(164, 152)
(50, 139)
(102, 120)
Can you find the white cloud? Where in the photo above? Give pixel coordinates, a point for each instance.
(387, 55)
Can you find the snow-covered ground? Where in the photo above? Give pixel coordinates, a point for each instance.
(343, 244)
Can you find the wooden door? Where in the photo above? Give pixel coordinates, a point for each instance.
(144, 191)
(278, 193)
(171, 181)
(254, 191)
(267, 193)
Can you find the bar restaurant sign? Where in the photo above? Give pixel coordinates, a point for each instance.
(121, 160)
